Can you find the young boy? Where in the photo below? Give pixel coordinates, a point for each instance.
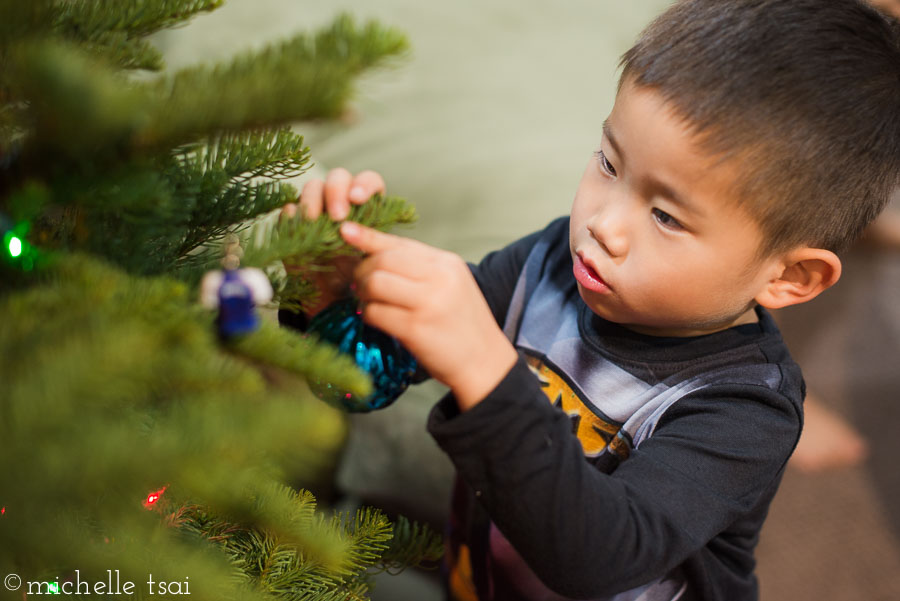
(750, 141)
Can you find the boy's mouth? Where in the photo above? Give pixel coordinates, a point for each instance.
(588, 277)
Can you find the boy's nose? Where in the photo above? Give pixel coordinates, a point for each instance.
(609, 229)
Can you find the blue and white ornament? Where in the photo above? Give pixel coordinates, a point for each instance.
(235, 293)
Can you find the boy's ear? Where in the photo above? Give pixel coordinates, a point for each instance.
(800, 276)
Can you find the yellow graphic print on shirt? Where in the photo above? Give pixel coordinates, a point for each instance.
(594, 431)
(462, 585)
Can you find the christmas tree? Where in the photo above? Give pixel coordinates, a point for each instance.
(141, 444)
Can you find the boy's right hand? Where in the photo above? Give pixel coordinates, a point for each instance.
(333, 196)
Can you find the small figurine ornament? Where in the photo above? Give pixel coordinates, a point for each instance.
(235, 292)
(390, 365)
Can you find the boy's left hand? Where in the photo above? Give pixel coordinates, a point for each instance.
(428, 300)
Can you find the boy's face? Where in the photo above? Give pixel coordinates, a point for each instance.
(658, 241)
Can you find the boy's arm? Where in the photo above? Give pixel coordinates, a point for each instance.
(588, 534)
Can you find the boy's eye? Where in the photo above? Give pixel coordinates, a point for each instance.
(604, 163)
(666, 220)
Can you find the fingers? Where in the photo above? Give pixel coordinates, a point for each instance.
(400, 271)
(288, 211)
(337, 189)
(369, 240)
(311, 198)
(364, 186)
(335, 194)
(386, 317)
(404, 256)
(403, 260)
(388, 288)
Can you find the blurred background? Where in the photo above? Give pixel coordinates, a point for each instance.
(486, 127)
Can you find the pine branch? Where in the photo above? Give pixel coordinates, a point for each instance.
(317, 363)
(412, 545)
(283, 570)
(359, 49)
(312, 245)
(230, 178)
(126, 52)
(147, 222)
(237, 202)
(81, 99)
(132, 216)
(299, 79)
(294, 293)
(275, 564)
(80, 106)
(275, 153)
(90, 21)
(319, 241)
(371, 532)
(81, 113)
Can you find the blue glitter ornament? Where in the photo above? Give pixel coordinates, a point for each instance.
(390, 365)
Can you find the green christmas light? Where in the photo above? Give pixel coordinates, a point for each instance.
(15, 246)
(53, 588)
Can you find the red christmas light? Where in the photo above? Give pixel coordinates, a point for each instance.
(153, 497)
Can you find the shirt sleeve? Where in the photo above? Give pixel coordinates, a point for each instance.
(586, 533)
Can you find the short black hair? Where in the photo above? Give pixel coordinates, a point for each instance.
(803, 94)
